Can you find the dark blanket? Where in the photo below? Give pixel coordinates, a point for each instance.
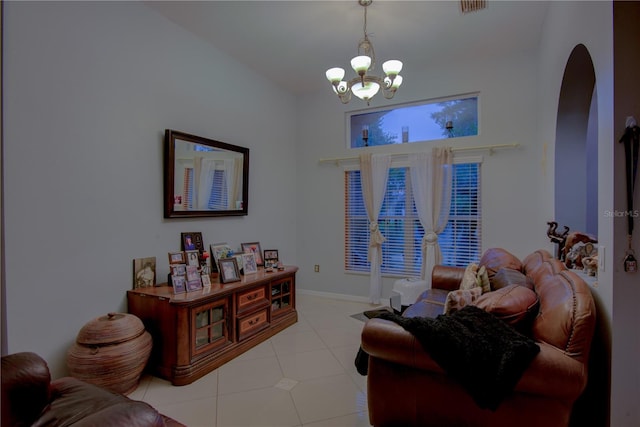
(483, 354)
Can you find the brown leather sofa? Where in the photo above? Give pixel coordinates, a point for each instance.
(30, 398)
(406, 387)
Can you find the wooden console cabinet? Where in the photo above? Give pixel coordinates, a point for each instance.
(196, 332)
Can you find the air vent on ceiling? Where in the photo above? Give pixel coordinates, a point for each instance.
(468, 6)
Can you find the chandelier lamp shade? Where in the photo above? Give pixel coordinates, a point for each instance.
(366, 85)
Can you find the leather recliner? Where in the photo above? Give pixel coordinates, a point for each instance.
(406, 387)
(30, 398)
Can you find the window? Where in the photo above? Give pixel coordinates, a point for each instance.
(218, 197)
(460, 242)
(425, 121)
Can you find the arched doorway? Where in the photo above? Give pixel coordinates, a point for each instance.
(576, 150)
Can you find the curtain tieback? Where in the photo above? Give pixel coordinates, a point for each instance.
(430, 239)
(376, 239)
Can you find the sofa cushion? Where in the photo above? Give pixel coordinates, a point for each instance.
(469, 279)
(461, 298)
(516, 305)
(496, 258)
(483, 279)
(507, 277)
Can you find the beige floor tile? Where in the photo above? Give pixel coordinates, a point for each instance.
(310, 364)
(161, 392)
(194, 413)
(361, 419)
(268, 407)
(297, 342)
(248, 375)
(328, 397)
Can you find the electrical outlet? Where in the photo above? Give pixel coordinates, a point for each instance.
(316, 268)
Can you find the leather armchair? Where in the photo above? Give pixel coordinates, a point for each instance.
(406, 387)
(30, 398)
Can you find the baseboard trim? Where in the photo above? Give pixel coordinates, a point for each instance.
(333, 295)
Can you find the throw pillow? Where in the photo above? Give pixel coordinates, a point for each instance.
(516, 305)
(461, 298)
(469, 279)
(507, 277)
(496, 258)
(483, 279)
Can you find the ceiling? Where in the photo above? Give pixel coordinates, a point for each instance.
(293, 43)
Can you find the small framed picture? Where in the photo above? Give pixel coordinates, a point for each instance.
(254, 248)
(179, 284)
(249, 265)
(219, 251)
(206, 281)
(178, 270)
(144, 272)
(192, 273)
(176, 258)
(193, 257)
(192, 241)
(229, 271)
(271, 257)
(194, 285)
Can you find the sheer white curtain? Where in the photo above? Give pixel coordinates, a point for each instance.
(204, 171)
(233, 172)
(374, 170)
(431, 175)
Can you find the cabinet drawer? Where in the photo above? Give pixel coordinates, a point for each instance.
(253, 323)
(252, 298)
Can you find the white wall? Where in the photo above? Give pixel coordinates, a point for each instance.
(88, 90)
(510, 178)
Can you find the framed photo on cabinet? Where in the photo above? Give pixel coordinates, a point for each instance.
(192, 241)
(179, 284)
(177, 258)
(249, 265)
(229, 271)
(193, 257)
(253, 247)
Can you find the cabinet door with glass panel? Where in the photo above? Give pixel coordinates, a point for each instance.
(210, 327)
(282, 295)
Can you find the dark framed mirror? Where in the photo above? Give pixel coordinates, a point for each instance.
(204, 177)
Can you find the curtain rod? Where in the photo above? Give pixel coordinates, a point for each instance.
(491, 148)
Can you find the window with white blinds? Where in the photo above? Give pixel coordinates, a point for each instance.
(398, 221)
(217, 198)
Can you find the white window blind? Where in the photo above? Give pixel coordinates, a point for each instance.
(399, 223)
(218, 196)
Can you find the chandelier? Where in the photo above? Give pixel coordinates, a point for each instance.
(366, 86)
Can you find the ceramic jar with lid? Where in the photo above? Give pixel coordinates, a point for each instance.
(111, 351)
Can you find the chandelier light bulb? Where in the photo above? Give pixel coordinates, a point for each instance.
(392, 67)
(335, 74)
(365, 92)
(361, 64)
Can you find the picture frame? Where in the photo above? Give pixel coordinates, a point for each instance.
(218, 251)
(255, 248)
(177, 258)
(192, 273)
(178, 270)
(271, 258)
(194, 282)
(206, 280)
(190, 241)
(249, 265)
(179, 284)
(193, 257)
(229, 271)
(144, 272)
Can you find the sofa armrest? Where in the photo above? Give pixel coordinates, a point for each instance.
(551, 373)
(447, 278)
(25, 388)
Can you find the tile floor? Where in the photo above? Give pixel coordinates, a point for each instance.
(302, 377)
